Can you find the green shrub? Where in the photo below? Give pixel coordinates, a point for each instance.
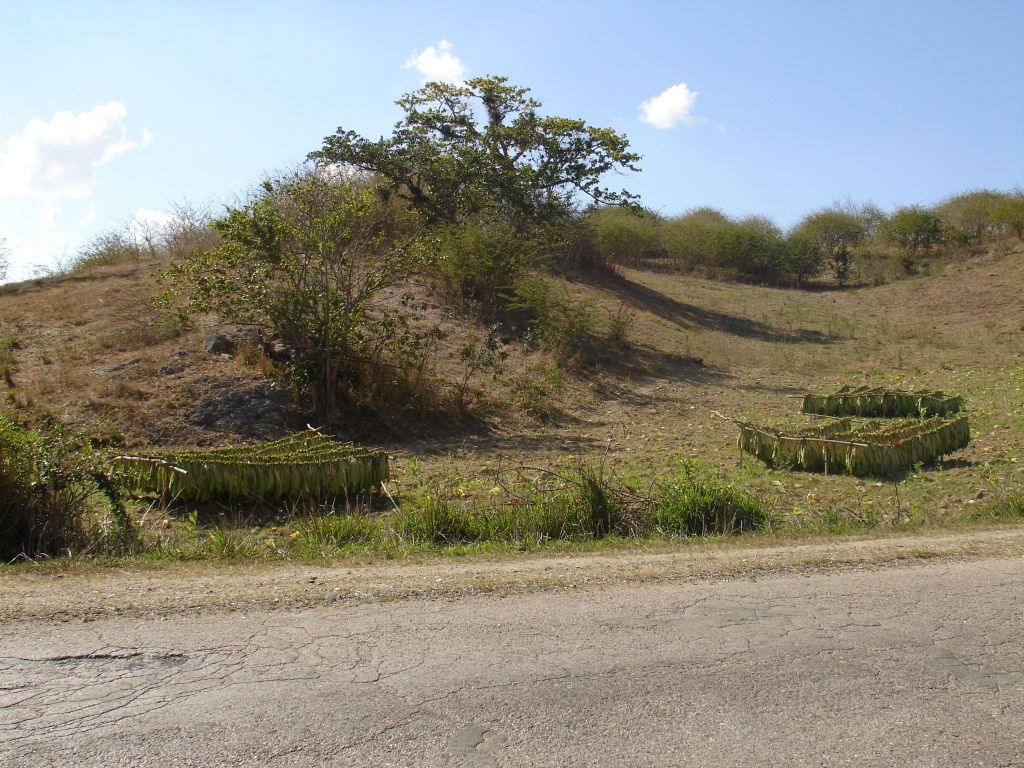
(543, 311)
(626, 236)
(752, 255)
(310, 258)
(751, 250)
(1009, 214)
(913, 229)
(437, 520)
(540, 390)
(970, 216)
(836, 231)
(695, 241)
(698, 504)
(479, 260)
(618, 329)
(47, 480)
(801, 259)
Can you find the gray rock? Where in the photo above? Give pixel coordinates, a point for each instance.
(218, 344)
(255, 410)
(172, 368)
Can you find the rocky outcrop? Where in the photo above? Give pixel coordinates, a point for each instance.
(252, 409)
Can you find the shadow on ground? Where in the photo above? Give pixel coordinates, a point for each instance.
(689, 315)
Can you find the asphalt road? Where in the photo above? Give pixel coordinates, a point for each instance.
(901, 666)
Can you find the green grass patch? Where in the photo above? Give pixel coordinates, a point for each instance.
(699, 505)
(1008, 508)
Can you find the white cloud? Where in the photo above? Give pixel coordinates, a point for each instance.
(671, 107)
(149, 224)
(89, 217)
(437, 64)
(53, 160)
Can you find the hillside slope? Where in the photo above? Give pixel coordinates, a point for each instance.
(94, 353)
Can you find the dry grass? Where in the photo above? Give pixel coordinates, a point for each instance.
(91, 347)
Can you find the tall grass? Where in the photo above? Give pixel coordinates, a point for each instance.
(1008, 508)
(588, 508)
(699, 505)
(437, 521)
(51, 486)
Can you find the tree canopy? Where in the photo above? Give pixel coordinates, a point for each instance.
(482, 147)
(913, 228)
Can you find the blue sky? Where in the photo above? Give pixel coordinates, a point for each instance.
(108, 108)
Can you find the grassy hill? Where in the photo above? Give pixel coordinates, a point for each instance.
(92, 351)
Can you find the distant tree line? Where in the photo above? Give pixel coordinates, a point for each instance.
(824, 243)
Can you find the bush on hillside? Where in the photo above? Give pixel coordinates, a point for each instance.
(541, 311)
(969, 216)
(479, 260)
(802, 260)
(913, 229)
(695, 241)
(309, 258)
(1009, 214)
(626, 236)
(836, 231)
(187, 228)
(706, 241)
(47, 483)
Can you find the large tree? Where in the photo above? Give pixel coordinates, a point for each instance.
(482, 147)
